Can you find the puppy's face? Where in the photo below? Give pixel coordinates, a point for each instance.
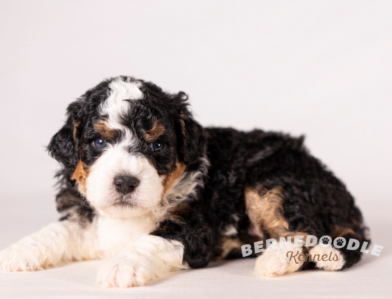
(126, 144)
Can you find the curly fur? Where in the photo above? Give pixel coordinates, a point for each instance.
(208, 191)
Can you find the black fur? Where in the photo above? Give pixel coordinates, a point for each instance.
(314, 200)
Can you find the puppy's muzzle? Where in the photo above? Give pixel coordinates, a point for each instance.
(125, 183)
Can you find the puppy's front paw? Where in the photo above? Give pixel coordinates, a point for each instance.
(19, 257)
(124, 271)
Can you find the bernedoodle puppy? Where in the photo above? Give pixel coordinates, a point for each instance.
(145, 187)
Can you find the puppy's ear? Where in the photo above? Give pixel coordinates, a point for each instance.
(63, 145)
(191, 139)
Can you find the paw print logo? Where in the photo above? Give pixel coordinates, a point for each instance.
(339, 242)
(325, 241)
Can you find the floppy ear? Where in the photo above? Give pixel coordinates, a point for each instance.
(191, 140)
(63, 145)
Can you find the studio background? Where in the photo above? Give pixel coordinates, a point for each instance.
(318, 68)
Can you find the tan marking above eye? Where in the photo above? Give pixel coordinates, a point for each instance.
(152, 134)
(80, 175)
(106, 132)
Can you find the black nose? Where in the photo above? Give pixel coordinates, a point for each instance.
(125, 183)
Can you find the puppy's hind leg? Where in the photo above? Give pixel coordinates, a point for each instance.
(265, 211)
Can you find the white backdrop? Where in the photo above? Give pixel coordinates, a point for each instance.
(319, 68)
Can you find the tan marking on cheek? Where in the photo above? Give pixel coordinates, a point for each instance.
(155, 132)
(80, 175)
(172, 178)
(106, 132)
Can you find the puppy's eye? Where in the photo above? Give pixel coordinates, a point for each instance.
(100, 143)
(157, 146)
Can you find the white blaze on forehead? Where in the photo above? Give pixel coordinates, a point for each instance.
(117, 159)
(117, 104)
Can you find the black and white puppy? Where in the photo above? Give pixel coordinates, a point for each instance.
(144, 186)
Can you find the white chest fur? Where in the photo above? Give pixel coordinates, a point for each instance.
(114, 233)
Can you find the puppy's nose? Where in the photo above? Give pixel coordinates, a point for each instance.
(125, 183)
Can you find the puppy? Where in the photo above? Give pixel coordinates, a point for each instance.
(145, 187)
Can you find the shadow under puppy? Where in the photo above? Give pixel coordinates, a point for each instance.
(144, 186)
